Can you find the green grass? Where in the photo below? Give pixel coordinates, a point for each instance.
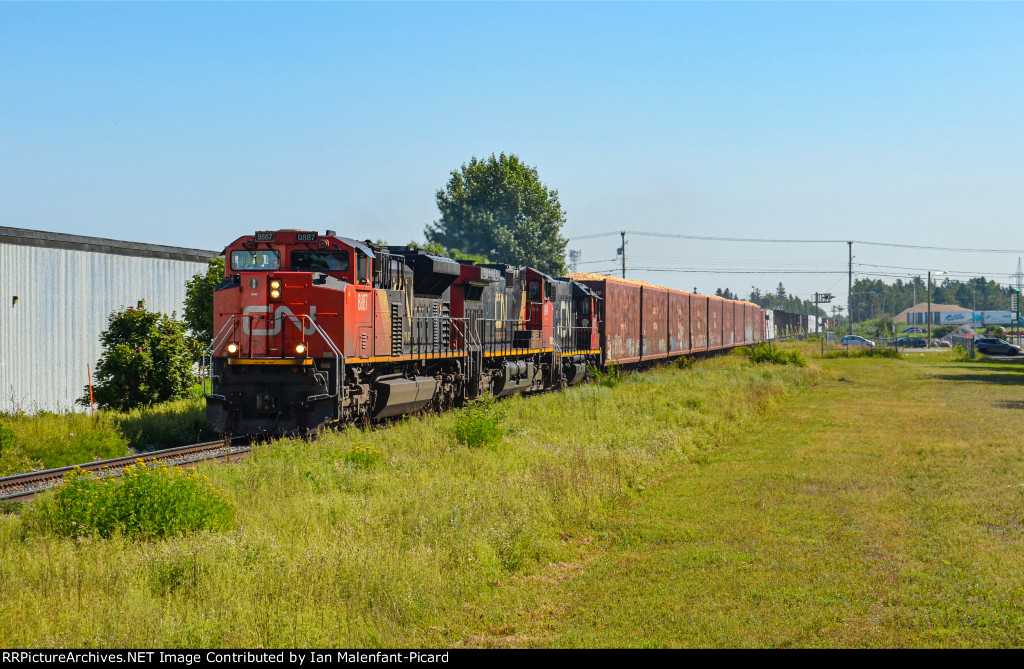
(415, 549)
(47, 440)
(857, 502)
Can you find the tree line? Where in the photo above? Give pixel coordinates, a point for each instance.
(779, 299)
(875, 298)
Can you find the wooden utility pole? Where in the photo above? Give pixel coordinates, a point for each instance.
(623, 252)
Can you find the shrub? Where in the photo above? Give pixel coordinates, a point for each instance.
(145, 360)
(479, 423)
(146, 502)
(766, 353)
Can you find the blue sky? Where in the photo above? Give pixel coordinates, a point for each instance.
(192, 124)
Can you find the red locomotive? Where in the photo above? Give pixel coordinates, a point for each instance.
(316, 329)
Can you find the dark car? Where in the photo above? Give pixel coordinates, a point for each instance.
(908, 342)
(993, 346)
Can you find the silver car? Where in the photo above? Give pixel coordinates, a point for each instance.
(856, 340)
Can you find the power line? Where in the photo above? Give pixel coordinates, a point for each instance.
(642, 233)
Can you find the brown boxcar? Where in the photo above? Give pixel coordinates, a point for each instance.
(728, 323)
(699, 311)
(679, 335)
(715, 322)
(654, 322)
(620, 316)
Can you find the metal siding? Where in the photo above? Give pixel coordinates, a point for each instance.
(699, 321)
(654, 315)
(679, 321)
(64, 299)
(715, 322)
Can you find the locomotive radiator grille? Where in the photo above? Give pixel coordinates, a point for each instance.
(396, 330)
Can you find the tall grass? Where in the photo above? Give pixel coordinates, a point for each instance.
(47, 440)
(424, 542)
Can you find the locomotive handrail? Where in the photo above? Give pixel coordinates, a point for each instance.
(437, 344)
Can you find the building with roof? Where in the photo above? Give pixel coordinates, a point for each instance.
(942, 314)
(56, 294)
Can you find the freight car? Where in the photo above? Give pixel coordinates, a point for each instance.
(316, 329)
(642, 323)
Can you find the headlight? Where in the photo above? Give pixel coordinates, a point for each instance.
(300, 349)
(275, 294)
(232, 348)
(275, 289)
(275, 284)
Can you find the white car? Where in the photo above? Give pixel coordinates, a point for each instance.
(856, 340)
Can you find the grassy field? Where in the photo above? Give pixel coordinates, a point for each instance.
(47, 440)
(860, 502)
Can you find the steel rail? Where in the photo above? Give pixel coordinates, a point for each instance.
(25, 486)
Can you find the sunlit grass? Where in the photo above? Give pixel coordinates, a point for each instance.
(393, 537)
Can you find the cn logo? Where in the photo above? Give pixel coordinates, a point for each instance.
(278, 318)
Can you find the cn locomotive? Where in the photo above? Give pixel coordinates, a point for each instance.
(317, 329)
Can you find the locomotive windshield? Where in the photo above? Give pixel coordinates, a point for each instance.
(260, 259)
(331, 261)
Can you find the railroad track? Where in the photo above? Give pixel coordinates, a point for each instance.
(21, 487)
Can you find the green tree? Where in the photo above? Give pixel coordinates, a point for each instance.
(199, 306)
(498, 207)
(145, 360)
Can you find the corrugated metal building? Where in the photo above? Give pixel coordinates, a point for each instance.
(56, 293)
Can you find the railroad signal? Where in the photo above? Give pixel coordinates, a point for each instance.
(823, 297)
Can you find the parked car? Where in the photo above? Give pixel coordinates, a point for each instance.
(993, 346)
(912, 331)
(908, 342)
(856, 340)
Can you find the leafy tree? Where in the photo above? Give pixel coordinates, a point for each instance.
(454, 254)
(145, 360)
(498, 207)
(199, 306)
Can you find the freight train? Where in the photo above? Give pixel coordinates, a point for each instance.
(318, 329)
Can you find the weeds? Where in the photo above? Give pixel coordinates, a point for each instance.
(47, 440)
(610, 377)
(362, 456)
(480, 423)
(766, 353)
(146, 502)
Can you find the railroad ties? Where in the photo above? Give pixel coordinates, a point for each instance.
(21, 487)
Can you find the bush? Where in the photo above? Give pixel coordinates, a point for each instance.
(145, 360)
(767, 353)
(479, 423)
(145, 502)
